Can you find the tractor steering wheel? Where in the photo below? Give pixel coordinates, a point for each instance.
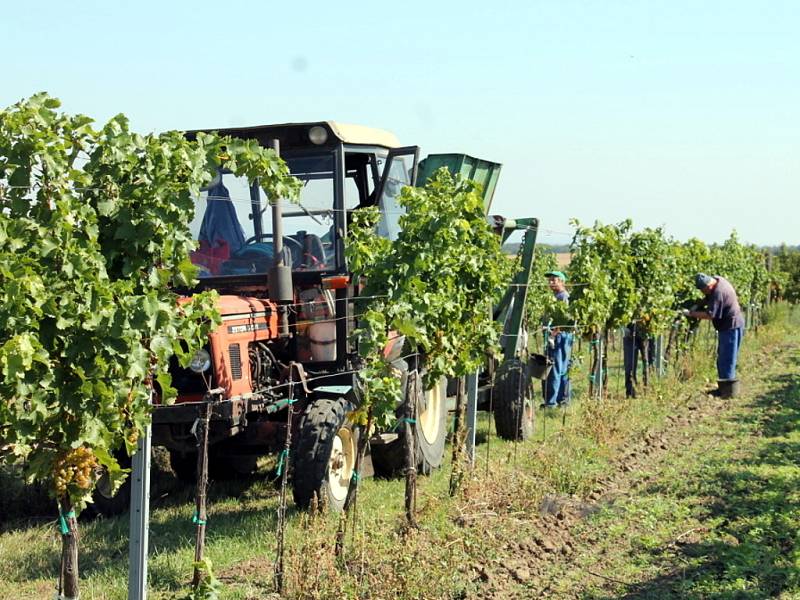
(292, 248)
(257, 238)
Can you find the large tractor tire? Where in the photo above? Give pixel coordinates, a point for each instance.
(324, 455)
(184, 465)
(430, 432)
(221, 466)
(513, 401)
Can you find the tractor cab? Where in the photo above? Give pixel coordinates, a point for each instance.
(342, 168)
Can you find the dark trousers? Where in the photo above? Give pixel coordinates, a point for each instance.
(634, 346)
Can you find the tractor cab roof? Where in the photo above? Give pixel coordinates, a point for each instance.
(321, 134)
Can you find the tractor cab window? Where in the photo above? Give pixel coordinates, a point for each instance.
(400, 171)
(361, 178)
(233, 223)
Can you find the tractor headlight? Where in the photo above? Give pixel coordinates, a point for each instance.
(318, 135)
(201, 361)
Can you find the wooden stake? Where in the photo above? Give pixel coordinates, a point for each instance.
(68, 581)
(200, 514)
(349, 513)
(410, 448)
(458, 438)
(284, 465)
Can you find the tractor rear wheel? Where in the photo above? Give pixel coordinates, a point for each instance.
(513, 401)
(184, 465)
(221, 466)
(430, 431)
(107, 504)
(325, 454)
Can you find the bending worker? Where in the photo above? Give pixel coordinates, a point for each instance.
(722, 309)
(556, 387)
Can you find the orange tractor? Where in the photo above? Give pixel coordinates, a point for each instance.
(288, 313)
(286, 301)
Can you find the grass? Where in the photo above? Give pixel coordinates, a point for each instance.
(719, 518)
(557, 516)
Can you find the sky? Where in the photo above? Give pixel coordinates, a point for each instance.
(678, 113)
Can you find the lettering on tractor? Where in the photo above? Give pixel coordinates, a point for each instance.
(286, 300)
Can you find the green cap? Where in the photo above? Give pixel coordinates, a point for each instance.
(559, 274)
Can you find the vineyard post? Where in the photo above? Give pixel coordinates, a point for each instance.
(472, 415)
(410, 457)
(592, 368)
(351, 500)
(646, 359)
(604, 373)
(283, 471)
(769, 282)
(601, 367)
(621, 371)
(140, 515)
(597, 376)
(489, 428)
(660, 355)
(200, 514)
(458, 438)
(350, 508)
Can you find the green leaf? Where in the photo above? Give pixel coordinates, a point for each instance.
(168, 393)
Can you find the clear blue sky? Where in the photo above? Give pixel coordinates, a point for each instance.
(680, 113)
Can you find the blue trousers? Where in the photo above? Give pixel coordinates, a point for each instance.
(556, 388)
(727, 352)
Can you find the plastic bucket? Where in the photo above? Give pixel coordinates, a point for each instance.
(322, 338)
(539, 366)
(728, 388)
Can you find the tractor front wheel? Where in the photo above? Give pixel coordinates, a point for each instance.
(325, 454)
(513, 401)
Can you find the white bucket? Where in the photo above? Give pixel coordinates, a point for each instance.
(322, 337)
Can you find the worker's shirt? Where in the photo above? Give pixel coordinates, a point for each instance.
(559, 316)
(723, 306)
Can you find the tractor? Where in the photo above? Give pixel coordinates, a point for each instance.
(287, 304)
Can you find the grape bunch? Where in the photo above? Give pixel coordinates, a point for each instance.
(132, 436)
(75, 470)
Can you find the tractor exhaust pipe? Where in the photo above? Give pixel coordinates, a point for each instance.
(280, 275)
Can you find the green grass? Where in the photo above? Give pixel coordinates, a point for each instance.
(720, 518)
(735, 477)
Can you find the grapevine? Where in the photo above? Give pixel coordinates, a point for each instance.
(434, 284)
(94, 237)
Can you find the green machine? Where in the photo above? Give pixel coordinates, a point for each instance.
(504, 385)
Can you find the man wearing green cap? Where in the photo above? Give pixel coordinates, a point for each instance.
(556, 388)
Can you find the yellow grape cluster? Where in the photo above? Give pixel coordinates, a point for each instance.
(75, 469)
(132, 436)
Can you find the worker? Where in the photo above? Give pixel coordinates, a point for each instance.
(635, 343)
(721, 307)
(556, 388)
